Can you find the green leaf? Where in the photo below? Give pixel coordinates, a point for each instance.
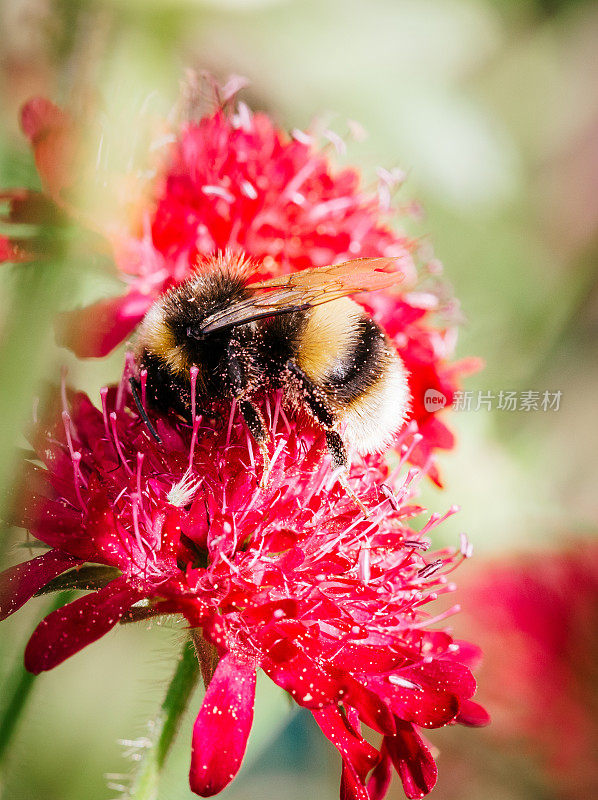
(81, 578)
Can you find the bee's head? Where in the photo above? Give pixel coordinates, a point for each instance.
(172, 328)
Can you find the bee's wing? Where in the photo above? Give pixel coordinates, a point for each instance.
(306, 288)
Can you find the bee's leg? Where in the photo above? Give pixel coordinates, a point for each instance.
(259, 431)
(316, 404)
(142, 412)
(238, 387)
(337, 450)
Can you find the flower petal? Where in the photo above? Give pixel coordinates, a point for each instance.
(473, 714)
(54, 523)
(222, 726)
(427, 707)
(95, 331)
(358, 755)
(10, 251)
(381, 776)
(465, 653)
(412, 760)
(367, 658)
(443, 675)
(371, 707)
(428, 695)
(308, 683)
(51, 133)
(40, 117)
(21, 582)
(351, 787)
(66, 631)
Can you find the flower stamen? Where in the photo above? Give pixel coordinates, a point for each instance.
(115, 439)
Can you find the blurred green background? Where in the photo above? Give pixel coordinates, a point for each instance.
(491, 109)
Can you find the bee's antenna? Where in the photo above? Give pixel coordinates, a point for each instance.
(142, 410)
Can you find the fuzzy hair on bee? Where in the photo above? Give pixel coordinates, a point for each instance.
(300, 333)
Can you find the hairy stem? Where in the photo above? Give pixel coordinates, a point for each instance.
(166, 725)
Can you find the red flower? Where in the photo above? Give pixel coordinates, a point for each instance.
(538, 620)
(291, 578)
(236, 182)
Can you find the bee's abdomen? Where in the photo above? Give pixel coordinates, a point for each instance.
(372, 418)
(356, 367)
(360, 365)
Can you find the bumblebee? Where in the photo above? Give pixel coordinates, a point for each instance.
(299, 332)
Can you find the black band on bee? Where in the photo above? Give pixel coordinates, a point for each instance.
(361, 366)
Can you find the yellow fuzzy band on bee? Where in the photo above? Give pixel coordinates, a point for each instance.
(159, 339)
(327, 335)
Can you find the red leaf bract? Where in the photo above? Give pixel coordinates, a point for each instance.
(381, 777)
(69, 629)
(50, 131)
(95, 331)
(358, 755)
(18, 584)
(473, 715)
(412, 760)
(222, 726)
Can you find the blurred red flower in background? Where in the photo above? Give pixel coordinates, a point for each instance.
(291, 578)
(234, 181)
(536, 618)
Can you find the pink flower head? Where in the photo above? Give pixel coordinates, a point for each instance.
(234, 181)
(287, 575)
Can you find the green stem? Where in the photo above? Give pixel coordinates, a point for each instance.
(19, 688)
(166, 725)
(18, 691)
